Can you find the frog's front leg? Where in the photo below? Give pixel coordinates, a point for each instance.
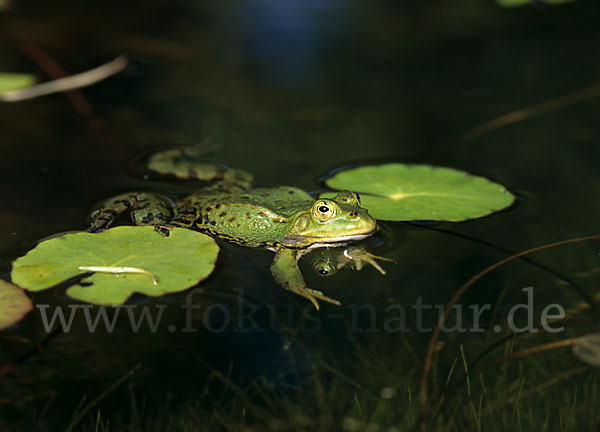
(146, 209)
(358, 255)
(286, 272)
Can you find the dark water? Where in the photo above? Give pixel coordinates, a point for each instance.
(289, 90)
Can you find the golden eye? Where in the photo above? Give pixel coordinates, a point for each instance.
(323, 210)
(324, 268)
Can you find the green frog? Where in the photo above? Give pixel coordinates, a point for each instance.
(284, 219)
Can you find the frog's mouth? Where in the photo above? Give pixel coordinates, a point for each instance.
(315, 242)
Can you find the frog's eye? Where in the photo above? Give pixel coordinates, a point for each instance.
(323, 210)
(324, 268)
(347, 197)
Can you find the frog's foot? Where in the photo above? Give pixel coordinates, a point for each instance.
(358, 255)
(146, 209)
(313, 295)
(185, 163)
(286, 272)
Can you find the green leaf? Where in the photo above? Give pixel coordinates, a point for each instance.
(12, 81)
(401, 192)
(133, 258)
(14, 304)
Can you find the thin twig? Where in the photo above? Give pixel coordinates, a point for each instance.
(523, 114)
(540, 348)
(52, 68)
(67, 83)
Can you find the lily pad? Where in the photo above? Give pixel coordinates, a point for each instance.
(14, 304)
(400, 192)
(125, 260)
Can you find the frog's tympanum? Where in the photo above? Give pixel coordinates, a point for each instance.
(283, 219)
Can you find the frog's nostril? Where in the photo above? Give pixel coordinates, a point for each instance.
(354, 213)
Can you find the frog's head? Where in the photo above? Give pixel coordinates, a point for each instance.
(329, 221)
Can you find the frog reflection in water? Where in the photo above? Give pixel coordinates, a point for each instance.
(283, 219)
(327, 261)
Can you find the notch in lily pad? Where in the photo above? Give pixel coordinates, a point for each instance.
(401, 192)
(118, 262)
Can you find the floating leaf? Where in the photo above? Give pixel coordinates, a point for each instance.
(12, 81)
(421, 192)
(126, 260)
(14, 304)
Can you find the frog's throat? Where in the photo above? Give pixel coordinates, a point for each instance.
(298, 241)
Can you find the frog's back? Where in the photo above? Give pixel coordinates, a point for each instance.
(284, 201)
(258, 217)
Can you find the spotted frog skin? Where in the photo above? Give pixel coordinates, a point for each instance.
(283, 219)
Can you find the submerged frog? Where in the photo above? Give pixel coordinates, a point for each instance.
(283, 219)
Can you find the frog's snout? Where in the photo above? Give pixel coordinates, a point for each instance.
(362, 220)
